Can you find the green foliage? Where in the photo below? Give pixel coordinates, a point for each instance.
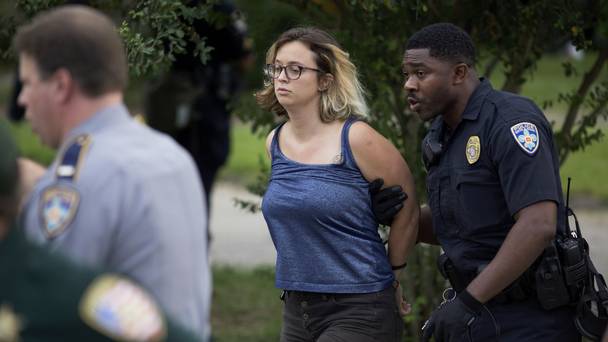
(153, 31)
(157, 30)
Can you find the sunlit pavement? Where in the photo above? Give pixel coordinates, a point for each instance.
(238, 238)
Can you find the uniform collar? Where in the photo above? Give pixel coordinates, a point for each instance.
(471, 111)
(107, 116)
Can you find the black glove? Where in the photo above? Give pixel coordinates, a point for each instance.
(452, 320)
(386, 202)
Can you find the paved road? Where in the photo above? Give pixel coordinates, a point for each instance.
(241, 238)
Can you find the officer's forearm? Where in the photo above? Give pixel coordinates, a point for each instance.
(425, 229)
(532, 232)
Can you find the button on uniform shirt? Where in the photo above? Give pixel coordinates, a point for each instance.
(134, 206)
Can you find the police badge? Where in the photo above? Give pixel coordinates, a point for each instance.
(57, 209)
(527, 137)
(473, 149)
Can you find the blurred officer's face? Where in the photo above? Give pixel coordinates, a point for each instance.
(40, 98)
(293, 91)
(427, 83)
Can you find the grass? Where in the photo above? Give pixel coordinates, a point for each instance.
(246, 305)
(246, 153)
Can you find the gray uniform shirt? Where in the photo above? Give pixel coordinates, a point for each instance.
(141, 213)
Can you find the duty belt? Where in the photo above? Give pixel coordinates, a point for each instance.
(520, 290)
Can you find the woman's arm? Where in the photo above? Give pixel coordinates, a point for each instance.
(378, 158)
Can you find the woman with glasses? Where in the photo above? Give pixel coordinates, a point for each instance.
(339, 281)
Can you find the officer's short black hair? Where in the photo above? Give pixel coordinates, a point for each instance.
(9, 173)
(445, 41)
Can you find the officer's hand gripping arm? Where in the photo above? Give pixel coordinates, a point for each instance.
(387, 202)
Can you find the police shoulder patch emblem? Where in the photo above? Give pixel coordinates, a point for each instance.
(527, 137)
(473, 149)
(118, 308)
(58, 206)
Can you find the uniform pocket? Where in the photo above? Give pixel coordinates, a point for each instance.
(481, 201)
(441, 201)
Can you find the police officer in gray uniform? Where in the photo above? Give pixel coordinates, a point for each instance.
(119, 195)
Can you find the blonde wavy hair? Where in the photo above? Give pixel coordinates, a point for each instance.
(344, 95)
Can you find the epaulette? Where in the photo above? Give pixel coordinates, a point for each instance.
(72, 157)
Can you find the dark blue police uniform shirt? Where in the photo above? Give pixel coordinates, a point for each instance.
(511, 164)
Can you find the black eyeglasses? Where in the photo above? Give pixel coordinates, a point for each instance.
(292, 71)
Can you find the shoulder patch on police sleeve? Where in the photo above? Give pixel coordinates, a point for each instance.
(473, 149)
(527, 137)
(58, 206)
(118, 308)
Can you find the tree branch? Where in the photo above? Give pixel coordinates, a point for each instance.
(588, 79)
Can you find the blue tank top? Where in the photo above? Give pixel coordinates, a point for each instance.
(322, 225)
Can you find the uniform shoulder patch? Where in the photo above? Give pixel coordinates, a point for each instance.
(58, 206)
(116, 307)
(527, 136)
(473, 149)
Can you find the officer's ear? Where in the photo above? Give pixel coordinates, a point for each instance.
(64, 85)
(460, 73)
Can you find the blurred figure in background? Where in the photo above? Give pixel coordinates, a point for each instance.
(191, 101)
(118, 195)
(14, 111)
(37, 303)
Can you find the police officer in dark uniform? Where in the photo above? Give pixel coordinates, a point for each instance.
(44, 297)
(495, 199)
